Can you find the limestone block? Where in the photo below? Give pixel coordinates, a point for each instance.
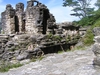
(97, 39)
(96, 49)
(96, 61)
(96, 31)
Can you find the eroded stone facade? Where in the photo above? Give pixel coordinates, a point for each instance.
(34, 19)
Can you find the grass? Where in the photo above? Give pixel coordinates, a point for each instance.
(60, 51)
(40, 58)
(80, 48)
(88, 38)
(37, 58)
(7, 67)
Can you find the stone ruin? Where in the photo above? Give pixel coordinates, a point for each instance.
(33, 32)
(35, 19)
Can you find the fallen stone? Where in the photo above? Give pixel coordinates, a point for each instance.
(96, 49)
(22, 56)
(96, 31)
(96, 61)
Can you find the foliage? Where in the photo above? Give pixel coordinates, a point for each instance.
(96, 24)
(40, 58)
(5, 67)
(98, 4)
(90, 20)
(37, 58)
(79, 48)
(60, 52)
(80, 7)
(88, 38)
(54, 37)
(49, 36)
(58, 38)
(86, 21)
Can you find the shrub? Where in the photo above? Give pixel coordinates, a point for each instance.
(96, 24)
(89, 20)
(57, 38)
(49, 36)
(88, 38)
(5, 67)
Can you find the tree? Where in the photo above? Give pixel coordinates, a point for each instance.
(97, 4)
(80, 7)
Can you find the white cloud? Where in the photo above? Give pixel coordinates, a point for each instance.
(61, 13)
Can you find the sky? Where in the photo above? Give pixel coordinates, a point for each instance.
(62, 14)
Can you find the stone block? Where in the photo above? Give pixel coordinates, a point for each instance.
(96, 49)
(96, 31)
(96, 61)
(97, 39)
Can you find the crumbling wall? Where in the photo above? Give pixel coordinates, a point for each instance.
(32, 14)
(33, 20)
(8, 20)
(19, 17)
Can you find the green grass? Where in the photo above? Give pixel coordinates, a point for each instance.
(88, 38)
(79, 48)
(40, 58)
(7, 67)
(60, 52)
(37, 58)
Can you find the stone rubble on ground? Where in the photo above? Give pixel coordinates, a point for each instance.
(79, 62)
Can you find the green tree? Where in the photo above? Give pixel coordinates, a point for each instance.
(80, 7)
(97, 4)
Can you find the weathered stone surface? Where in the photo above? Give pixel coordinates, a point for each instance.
(97, 39)
(33, 39)
(10, 43)
(22, 56)
(77, 62)
(25, 61)
(96, 49)
(34, 19)
(96, 31)
(3, 37)
(96, 46)
(97, 61)
(8, 20)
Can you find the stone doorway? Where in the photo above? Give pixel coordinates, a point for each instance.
(45, 18)
(16, 24)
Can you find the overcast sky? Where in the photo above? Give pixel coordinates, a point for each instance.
(55, 6)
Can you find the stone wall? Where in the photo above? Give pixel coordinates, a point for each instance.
(22, 46)
(19, 17)
(8, 20)
(96, 46)
(34, 19)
